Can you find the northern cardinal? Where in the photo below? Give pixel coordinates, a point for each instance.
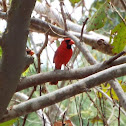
(29, 52)
(62, 55)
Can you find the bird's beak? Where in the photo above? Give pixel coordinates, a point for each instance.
(72, 42)
(31, 53)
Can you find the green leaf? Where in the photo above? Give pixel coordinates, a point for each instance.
(74, 1)
(118, 38)
(98, 19)
(96, 119)
(110, 93)
(9, 123)
(25, 73)
(0, 52)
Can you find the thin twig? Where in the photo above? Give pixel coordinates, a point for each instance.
(84, 23)
(101, 107)
(113, 58)
(40, 51)
(80, 116)
(55, 32)
(76, 107)
(118, 13)
(105, 121)
(119, 116)
(39, 59)
(63, 15)
(26, 116)
(44, 121)
(63, 118)
(4, 5)
(115, 104)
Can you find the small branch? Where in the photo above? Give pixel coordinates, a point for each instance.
(63, 15)
(104, 119)
(4, 5)
(119, 92)
(118, 13)
(44, 45)
(40, 51)
(111, 116)
(24, 121)
(82, 47)
(65, 74)
(84, 23)
(23, 97)
(114, 57)
(26, 116)
(63, 119)
(108, 98)
(119, 116)
(39, 59)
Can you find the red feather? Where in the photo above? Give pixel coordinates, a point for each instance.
(63, 54)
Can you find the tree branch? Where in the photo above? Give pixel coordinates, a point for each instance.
(117, 106)
(93, 39)
(28, 60)
(92, 60)
(13, 47)
(66, 92)
(58, 75)
(23, 97)
(96, 41)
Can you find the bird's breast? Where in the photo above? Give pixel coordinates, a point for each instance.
(63, 56)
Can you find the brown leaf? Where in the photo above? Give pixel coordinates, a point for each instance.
(59, 123)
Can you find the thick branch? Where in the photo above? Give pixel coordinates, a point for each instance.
(40, 113)
(13, 46)
(92, 60)
(66, 92)
(96, 41)
(66, 74)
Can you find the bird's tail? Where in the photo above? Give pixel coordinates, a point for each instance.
(53, 83)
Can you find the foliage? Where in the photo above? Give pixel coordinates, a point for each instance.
(9, 123)
(98, 19)
(0, 52)
(117, 37)
(109, 91)
(74, 1)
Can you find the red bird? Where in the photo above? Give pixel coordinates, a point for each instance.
(63, 54)
(29, 52)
